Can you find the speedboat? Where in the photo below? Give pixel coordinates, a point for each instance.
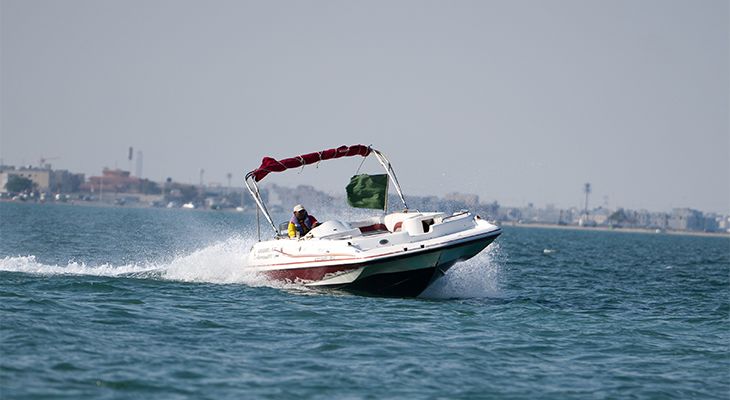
(396, 254)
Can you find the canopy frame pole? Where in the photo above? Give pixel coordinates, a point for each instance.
(259, 202)
(385, 208)
(391, 173)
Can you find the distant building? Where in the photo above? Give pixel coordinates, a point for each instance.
(464, 198)
(686, 219)
(46, 180)
(114, 180)
(286, 198)
(549, 215)
(658, 220)
(712, 223)
(723, 223)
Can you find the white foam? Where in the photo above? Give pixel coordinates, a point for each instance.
(474, 278)
(28, 264)
(222, 263)
(225, 263)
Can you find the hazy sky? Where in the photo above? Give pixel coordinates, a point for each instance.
(516, 101)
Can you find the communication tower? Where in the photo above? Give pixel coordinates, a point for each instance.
(139, 165)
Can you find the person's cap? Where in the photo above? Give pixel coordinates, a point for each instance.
(298, 207)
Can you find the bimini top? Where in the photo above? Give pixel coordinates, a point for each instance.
(271, 165)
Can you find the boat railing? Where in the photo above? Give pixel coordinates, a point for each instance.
(456, 215)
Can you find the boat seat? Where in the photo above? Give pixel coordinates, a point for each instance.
(370, 226)
(394, 222)
(374, 228)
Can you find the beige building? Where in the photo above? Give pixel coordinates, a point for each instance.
(47, 180)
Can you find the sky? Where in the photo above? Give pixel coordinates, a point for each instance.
(518, 102)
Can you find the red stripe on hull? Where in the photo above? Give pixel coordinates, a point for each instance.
(309, 274)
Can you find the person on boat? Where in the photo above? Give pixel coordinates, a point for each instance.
(301, 222)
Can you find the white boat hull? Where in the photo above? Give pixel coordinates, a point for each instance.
(411, 253)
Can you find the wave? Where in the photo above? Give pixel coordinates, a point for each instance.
(225, 263)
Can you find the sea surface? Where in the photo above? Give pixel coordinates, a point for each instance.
(127, 303)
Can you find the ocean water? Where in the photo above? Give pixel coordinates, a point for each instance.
(124, 303)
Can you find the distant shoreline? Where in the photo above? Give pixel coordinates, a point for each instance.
(501, 223)
(134, 204)
(614, 229)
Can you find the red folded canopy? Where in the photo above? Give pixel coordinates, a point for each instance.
(270, 165)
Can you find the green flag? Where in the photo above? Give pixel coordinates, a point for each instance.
(367, 191)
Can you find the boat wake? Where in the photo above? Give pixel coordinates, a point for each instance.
(221, 263)
(225, 263)
(29, 265)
